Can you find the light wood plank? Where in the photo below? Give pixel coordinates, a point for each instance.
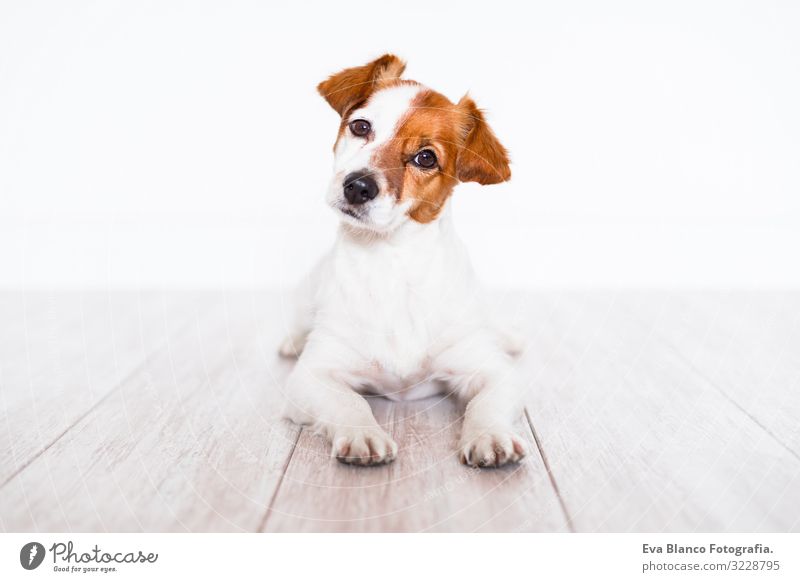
(425, 489)
(636, 439)
(189, 442)
(62, 353)
(747, 345)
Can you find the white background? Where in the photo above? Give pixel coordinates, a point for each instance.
(182, 144)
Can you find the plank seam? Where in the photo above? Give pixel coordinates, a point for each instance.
(263, 524)
(550, 475)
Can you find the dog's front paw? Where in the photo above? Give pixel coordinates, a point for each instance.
(364, 446)
(491, 449)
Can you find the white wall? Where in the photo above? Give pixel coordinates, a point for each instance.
(183, 144)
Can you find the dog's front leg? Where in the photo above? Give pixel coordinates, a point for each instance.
(317, 398)
(488, 438)
(484, 377)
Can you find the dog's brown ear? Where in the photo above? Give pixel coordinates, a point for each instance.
(355, 85)
(482, 158)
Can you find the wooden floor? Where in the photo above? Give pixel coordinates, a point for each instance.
(647, 411)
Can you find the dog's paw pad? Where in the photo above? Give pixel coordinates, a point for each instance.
(369, 446)
(492, 449)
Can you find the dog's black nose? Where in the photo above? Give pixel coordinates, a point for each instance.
(359, 188)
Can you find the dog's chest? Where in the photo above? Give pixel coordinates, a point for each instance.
(392, 311)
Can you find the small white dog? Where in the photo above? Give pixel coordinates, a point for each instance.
(394, 309)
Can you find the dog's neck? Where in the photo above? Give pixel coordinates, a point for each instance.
(413, 256)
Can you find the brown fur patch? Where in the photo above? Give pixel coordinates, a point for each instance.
(483, 158)
(353, 86)
(465, 147)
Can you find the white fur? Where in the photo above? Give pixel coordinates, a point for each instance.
(393, 309)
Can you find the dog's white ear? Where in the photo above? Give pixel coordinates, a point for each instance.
(353, 86)
(481, 158)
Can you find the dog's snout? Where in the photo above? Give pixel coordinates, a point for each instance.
(360, 187)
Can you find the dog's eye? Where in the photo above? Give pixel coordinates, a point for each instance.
(425, 159)
(360, 127)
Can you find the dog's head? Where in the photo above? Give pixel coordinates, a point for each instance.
(402, 147)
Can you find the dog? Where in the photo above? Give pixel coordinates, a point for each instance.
(394, 309)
